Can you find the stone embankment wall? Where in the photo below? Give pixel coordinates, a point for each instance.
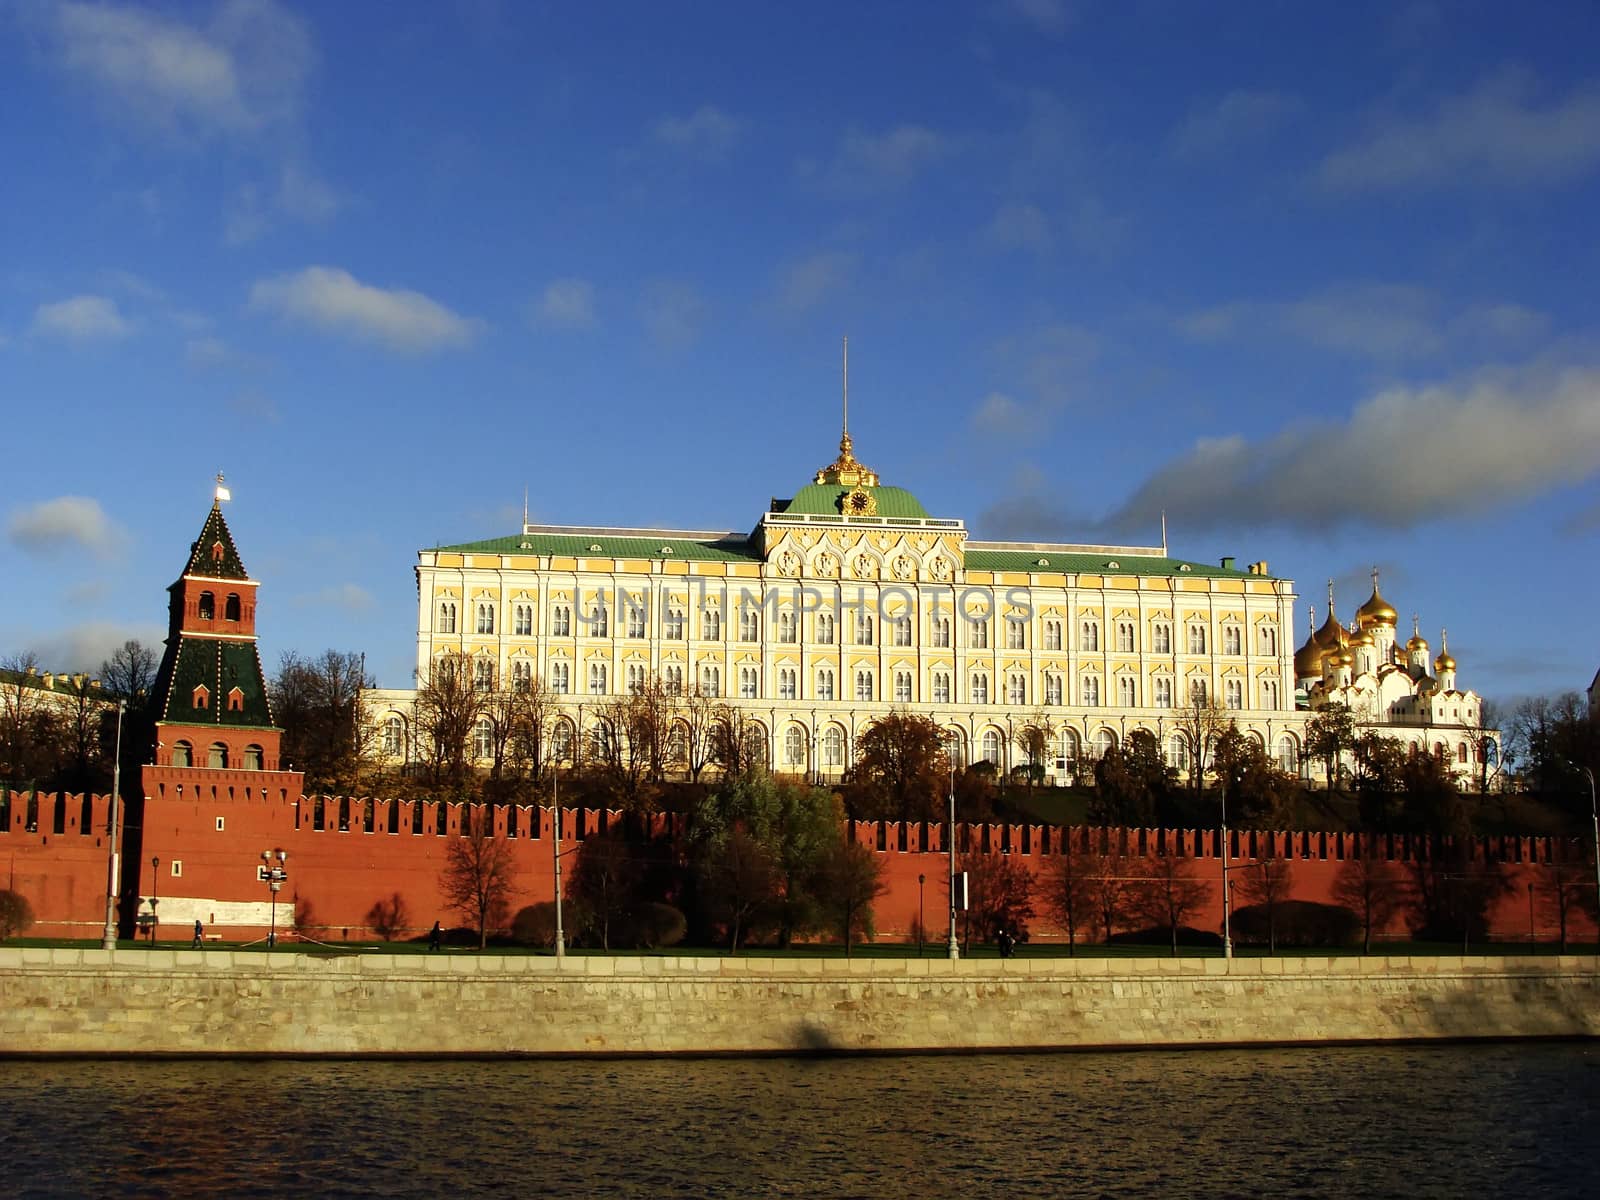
(231, 1002)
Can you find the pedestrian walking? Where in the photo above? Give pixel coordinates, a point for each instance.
(199, 933)
(434, 935)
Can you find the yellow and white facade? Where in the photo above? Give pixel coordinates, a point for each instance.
(849, 600)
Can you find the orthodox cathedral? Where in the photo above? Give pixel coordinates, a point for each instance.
(1386, 685)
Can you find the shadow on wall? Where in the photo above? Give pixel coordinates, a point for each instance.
(812, 1038)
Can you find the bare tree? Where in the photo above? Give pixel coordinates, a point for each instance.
(605, 881)
(738, 745)
(130, 673)
(1570, 887)
(1034, 740)
(1112, 888)
(448, 706)
(30, 740)
(1267, 882)
(1072, 888)
(741, 883)
(1201, 724)
(479, 876)
(1373, 888)
(697, 713)
(1169, 895)
(317, 701)
(1000, 895)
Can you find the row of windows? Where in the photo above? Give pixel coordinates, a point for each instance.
(206, 606)
(899, 630)
(216, 756)
(831, 745)
(1016, 689)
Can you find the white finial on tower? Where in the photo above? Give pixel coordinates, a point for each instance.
(524, 509)
(1163, 533)
(222, 492)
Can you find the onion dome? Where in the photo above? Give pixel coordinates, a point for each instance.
(1417, 642)
(1308, 659)
(1362, 637)
(1377, 610)
(1345, 658)
(1332, 633)
(1444, 662)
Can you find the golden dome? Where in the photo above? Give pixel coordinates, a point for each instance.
(1443, 663)
(1362, 638)
(1344, 656)
(1332, 633)
(1377, 610)
(1417, 642)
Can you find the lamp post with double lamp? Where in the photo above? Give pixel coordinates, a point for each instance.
(273, 874)
(109, 941)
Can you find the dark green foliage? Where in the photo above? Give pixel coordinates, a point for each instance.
(657, 925)
(1130, 781)
(1297, 923)
(535, 924)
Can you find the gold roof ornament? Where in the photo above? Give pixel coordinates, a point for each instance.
(1377, 610)
(845, 471)
(1333, 632)
(1417, 642)
(1308, 659)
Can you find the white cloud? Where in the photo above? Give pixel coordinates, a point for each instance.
(1491, 134)
(673, 312)
(334, 300)
(565, 304)
(707, 133)
(1238, 117)
(300, 195)
(242, 71)
(1049, 17)
(1019, 227)
(306, 197)
(64, 524)
(1001, 415)
(83, 648)
(804, 284)
(81, 319)
(1386, 322)
(1406, 455)
(887, 159)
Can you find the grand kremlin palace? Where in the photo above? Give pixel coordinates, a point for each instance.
(850, 600)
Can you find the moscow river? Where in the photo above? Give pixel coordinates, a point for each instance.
(1486, 1120)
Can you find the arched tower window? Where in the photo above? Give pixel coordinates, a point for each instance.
(230, 607)
(217, 756)
(207, 606)
(182, 754)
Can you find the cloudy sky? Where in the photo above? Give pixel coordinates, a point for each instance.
(1315, 281)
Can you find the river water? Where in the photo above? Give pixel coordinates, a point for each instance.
(1446, 1121)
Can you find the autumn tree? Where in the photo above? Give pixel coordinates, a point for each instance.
(1034, 740)
(1568, 886)
(30, 737)
(480, 871)
(16, 914)
(1259, 795)
(740, 885)
(738, 744)
(1379, 781)
(1169, 896)
(1129, 782)
(902, 767)
(1113, 884)
(1371, 887)
(448, 706)
(999, 895)
(519, 719)
(852, 878)
(1331, 734)
(625, 742)
(317, 702)
(696, 712)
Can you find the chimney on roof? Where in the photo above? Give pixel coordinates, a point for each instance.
(49, 682)
(1227, 562)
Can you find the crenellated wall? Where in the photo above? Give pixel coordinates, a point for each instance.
(345, 855)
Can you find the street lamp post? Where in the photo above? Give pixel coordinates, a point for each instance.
(109, 941)
(155, 883)
(274, 873)
(1227, 898)
(1594, 815)
(921, 879)
(950, 850)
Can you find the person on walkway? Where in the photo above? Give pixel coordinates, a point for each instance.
(434, 935)
(199, 933)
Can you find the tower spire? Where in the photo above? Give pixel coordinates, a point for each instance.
(1330, 597)
(845, 470)
(846, 427)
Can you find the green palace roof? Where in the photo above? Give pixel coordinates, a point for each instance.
(731, 549)
(822, 499)
(1096, 562)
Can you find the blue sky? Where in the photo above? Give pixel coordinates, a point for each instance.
(1318, 282)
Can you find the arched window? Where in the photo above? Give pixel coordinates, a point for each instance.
(794, 746)
(825, 628)
(485, 618)
(252, 758)
(991, 746)
(1104, 742)
(1069, 747)
(1178, 753)
(394, 737)
(217, 756)
(202, 697)
(757, 735)
(207, 606)
(447, 616)
(182, 754)
(1089, 687)
(483, 675)
(1288, 755)
(833, 747)
(483, 739)
(230, 607)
